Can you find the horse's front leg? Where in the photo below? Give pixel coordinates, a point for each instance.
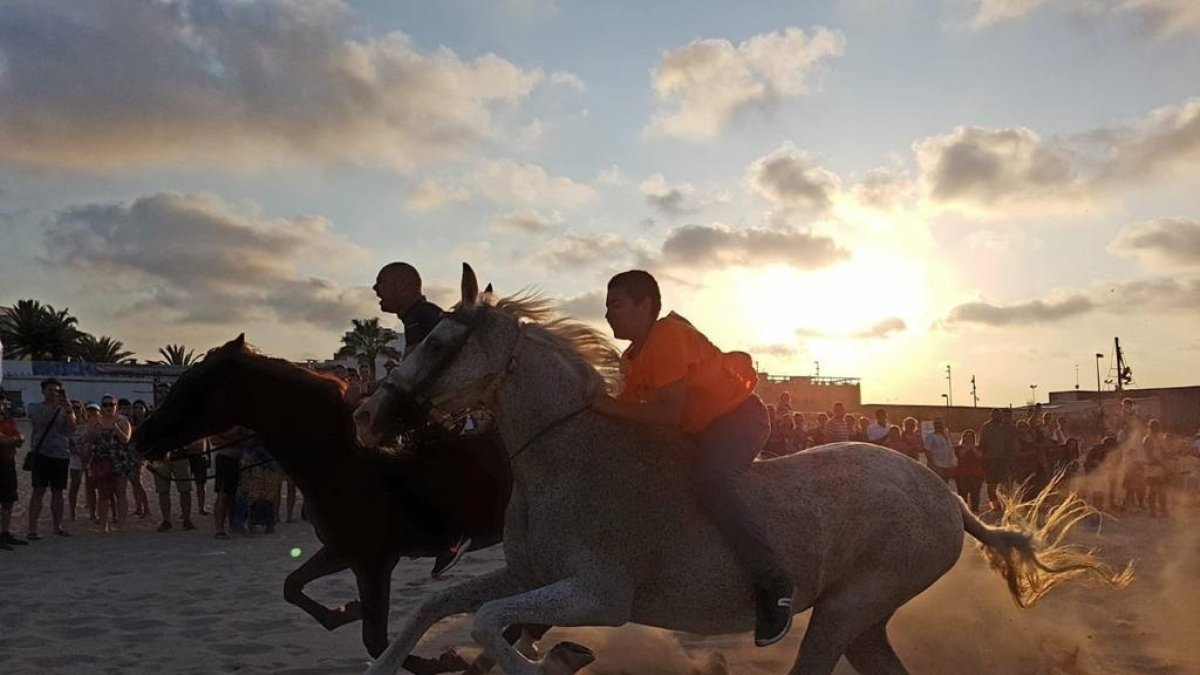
(322, 563)
(570, 602)
(465, 597)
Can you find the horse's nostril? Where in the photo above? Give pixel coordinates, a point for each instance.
(362, 416)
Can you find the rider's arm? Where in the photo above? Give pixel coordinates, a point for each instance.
(665, 410)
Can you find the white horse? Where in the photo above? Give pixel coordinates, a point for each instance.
(603, 528)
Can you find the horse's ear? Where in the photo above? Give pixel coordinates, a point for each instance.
(237, 344)
(470, 287)
(488, 289)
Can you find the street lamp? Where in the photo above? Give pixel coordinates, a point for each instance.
(1033, 394)
(947, 399)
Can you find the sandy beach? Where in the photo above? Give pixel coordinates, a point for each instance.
(178, 603)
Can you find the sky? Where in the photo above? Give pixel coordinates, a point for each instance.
(883, 188)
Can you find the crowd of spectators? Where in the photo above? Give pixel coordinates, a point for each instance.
(89, 447)
(1133, 466)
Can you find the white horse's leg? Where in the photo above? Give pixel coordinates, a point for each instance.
(842, 617)
(465, 597)
(570, 602)
(872, 652)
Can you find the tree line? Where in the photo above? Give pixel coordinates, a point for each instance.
(34, 331)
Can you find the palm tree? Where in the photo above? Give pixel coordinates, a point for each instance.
(31, 330)
(177, 355)
(368, 339)
(100, 350)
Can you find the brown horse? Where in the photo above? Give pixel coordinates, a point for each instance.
(368, 509)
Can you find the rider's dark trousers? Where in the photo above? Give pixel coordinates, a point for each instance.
(727, 447)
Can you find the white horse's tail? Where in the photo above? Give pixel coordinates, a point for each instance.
(1027, 550)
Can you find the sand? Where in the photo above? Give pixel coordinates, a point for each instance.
(137, 601)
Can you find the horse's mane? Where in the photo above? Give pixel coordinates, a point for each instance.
(293, 375)
(583, 346)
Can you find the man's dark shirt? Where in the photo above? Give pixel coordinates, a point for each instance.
(419, 320)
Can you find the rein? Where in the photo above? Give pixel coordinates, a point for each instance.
(431, 407)
(547, 429)
(241, 469)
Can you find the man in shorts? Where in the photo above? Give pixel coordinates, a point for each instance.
(228, 465)
(175, 467)
(53, 423)
(10, 439)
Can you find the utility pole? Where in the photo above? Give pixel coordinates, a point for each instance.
(1099, 404)
(949, 388)
(818, 375)
(1076, 377)
(974, 393)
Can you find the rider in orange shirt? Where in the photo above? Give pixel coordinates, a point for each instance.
(676, 377)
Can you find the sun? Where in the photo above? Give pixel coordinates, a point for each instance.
(828, 312)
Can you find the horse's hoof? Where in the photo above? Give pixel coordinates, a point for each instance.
(567, 658)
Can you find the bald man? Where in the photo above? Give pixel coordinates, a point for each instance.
(398, 287)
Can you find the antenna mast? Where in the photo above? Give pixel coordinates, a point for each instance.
(1124, 372)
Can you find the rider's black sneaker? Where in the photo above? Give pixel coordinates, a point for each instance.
(774, 614)
(450, 558)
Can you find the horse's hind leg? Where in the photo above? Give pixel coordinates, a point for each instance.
(871, 653)
(840, 624)
(322, 563)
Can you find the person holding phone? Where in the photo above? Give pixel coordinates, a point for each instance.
(53, 423)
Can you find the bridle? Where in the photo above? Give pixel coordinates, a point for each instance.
(432, 407)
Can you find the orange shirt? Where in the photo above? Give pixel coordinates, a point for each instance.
(674, 350)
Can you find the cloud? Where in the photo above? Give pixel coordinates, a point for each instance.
(670, 199)
(880, 329)
(702, 87)
(1163, 294)
(1032, 312)
(790, 178)
(612, 177)
(503, 181)
(589, 305)
(432, 194)
(1172, 242)
(1157, 18)
(884, 189)
(203, 260)
(1164, 143)
(722, 245)
(528, 221)
(572, 251)
(1014, 168)
(221, 82)
(992, 167)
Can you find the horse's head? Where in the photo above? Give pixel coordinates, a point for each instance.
(450, 370)
(205, 400)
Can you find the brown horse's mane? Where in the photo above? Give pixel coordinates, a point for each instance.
(581, 344)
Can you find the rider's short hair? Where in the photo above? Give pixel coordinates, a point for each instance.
(404, 271)
(638, 285)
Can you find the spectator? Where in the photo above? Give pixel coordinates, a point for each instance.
(11, 438)
(998, 444)
(911, 443)
(939, 450)
(1059, 434)
(80, 455)
(1095, 461)
(878, 431)
(816, 435)
(837, 428)
(781, 434)
(175, 468)
(1156, 469)
(135, 413)
(785, 403)
(110, 464)
(229, 461)
(1029, 462)
(800, 439)
(198, 464)
(53, 423)
(969, 475)
(892, 440)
